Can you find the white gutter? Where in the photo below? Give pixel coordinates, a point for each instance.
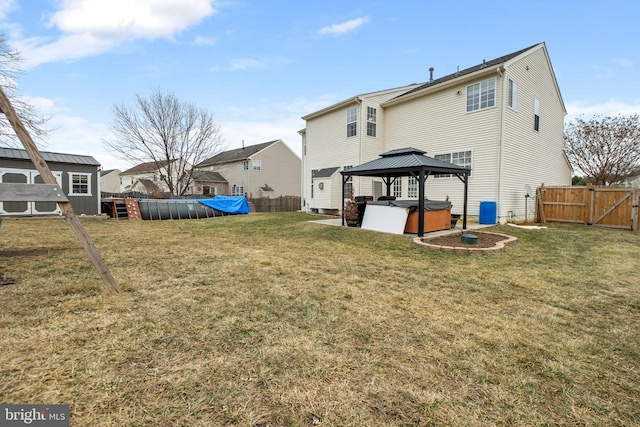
(500, 143)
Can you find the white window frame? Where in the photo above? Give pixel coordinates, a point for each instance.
(512, 100)
(482, 95)
(371, 121)
(397, 188)
(348, 185)
(352, 121)
(536, 114)
(454, 157)
(412, 187)
(88, 184)
(245, 165)
(257, 165)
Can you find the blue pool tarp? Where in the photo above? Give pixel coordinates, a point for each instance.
(228, 204)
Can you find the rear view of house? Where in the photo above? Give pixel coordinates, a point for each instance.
(502, 118)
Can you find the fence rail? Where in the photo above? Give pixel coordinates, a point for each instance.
(614, 207)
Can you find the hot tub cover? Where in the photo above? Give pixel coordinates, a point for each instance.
(412, 205)
(228, 204)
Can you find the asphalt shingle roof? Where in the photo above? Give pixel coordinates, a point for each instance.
(236, 154)
(146, 167)
(325, 173)
(483, 65)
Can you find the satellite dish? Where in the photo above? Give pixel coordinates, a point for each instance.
(527, 188)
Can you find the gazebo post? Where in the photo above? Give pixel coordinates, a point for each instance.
(421, 180)
(466, 188)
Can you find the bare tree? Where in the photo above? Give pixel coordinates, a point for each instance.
(170, 133)
(10, 70)
(605, 149)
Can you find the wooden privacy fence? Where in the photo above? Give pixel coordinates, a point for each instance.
(614, 207)
(276, 204)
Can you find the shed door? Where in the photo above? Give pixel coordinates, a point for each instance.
(24, 176)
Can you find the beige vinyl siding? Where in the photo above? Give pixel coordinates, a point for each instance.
(438, 124)
(327, 145)
(531, 157)
(280, 169)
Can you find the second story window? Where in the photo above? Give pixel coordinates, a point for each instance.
(513, 95)
(481, 95)
(371, 121)
(536, 114)
(245, 165)
(257, 165)
(352, 121)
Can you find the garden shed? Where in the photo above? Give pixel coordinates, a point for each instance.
(409, 162)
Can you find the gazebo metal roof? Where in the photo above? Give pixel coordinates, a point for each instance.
(409, 162)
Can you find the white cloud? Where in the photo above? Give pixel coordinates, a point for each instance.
(204, 41)
(246, 64)
(623, 62)
(90, 27)
(6, 6)
(611, 107)
(345, 27)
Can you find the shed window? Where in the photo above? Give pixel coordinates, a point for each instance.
(79, 184)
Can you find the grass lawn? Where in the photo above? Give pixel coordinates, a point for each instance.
(270, 320)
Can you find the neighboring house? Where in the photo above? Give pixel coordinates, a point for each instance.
(269, 169)
(207, 183)
(502, 118)
(148, 187)
(110, 181)
(77, 175)
(156, 172)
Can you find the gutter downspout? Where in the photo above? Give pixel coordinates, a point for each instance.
(500, 146)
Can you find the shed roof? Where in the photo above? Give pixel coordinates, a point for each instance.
(19, 154)
(325, 173)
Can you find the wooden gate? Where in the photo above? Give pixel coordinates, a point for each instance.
(614, 207)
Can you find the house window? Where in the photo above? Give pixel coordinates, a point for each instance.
(412, 187)
(348, 185)
(513, 95)
(536, 114)
(397, 187)
(245, 165)
(206, 189)
(352, 121)
(371, 121)
(257, 165)
(460, 158)
(313, 174)
(481, 95)
(79, 184)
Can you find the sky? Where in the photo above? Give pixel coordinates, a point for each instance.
(259, 66)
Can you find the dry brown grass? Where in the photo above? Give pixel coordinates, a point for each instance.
(269, 320)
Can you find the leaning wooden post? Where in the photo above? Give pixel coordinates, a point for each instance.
(48, 178)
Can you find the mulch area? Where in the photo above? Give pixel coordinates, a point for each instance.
(485, 240)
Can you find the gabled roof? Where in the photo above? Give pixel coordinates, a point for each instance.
(149, 186)
(207, 176)
(402, 161)
(108, 171)
(325, 173)
(15, 153)
(485, 64)
(237, 154)
(147, 167)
